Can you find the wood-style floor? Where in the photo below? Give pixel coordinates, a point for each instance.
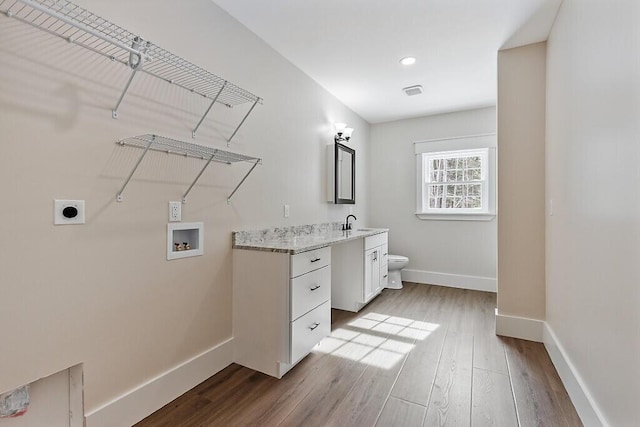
(421, 356)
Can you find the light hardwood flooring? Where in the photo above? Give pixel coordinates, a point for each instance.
(421, 356)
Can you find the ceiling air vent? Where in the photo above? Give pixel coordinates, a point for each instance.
(412, 90)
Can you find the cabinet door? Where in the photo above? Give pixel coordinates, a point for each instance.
(384, 276)
(381, 267)
(384, 266)
(371, 273)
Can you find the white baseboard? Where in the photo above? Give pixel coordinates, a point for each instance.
(519, 327)
(476, 283)
(147, 398)
(584, 403)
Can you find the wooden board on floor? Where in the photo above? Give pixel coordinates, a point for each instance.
(534, 380)
(450, 401)
(488, 349)
(493, 403)
(399, 412)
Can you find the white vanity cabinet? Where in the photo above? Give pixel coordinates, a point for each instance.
(281, 307)
(359, 271)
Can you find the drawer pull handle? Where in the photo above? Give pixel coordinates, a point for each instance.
(315, 260)
(385, 276)
(314, 288)
(315, 325)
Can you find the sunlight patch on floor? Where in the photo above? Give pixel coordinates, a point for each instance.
(376, 348)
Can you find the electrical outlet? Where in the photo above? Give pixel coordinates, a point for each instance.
(175, 211)
(286, 211)
(68, 212)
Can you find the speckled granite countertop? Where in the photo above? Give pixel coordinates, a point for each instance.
(298, 239)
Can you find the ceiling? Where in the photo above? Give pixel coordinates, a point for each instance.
(353, 47)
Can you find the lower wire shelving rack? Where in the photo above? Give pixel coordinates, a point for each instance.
(150, 142)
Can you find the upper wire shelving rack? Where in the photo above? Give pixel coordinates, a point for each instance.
(83, 28)
(152, 142)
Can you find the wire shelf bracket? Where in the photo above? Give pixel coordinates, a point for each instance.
(193, 134)
(114, 112)
(150, 142)
(83, 28)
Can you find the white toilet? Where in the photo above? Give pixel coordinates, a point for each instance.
(396, 264)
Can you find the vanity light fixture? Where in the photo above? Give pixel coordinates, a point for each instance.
(408, 60)
(343, 133)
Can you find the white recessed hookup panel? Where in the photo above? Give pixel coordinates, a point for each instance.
(185, 240)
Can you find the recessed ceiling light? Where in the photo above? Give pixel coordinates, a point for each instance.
(408, 60)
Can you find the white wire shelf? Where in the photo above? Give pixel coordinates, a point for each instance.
(150, 142)
(83, 28)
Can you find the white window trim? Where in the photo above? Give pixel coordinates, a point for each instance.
(488, 142)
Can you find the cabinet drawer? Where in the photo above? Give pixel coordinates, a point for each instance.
(375, 240)
(309, 329)
(309, 291)
(308, 261)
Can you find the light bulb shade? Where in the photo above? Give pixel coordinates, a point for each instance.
(347, 132)
(408, 60)
(340, 127)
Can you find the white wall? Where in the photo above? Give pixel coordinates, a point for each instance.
(593, 176)
(436, 249)
(521, 128)
(103, 293)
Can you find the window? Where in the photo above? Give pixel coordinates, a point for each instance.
(456, 184)
(454, 180)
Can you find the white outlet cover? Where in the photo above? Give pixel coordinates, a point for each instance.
(63, 212)
(175, 211)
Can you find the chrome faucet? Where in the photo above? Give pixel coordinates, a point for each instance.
(346, 225)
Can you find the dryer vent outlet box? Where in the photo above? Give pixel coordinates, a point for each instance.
(68, 212)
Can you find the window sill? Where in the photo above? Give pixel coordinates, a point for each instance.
(456, 216)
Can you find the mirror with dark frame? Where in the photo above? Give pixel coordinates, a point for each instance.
(345, 174)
